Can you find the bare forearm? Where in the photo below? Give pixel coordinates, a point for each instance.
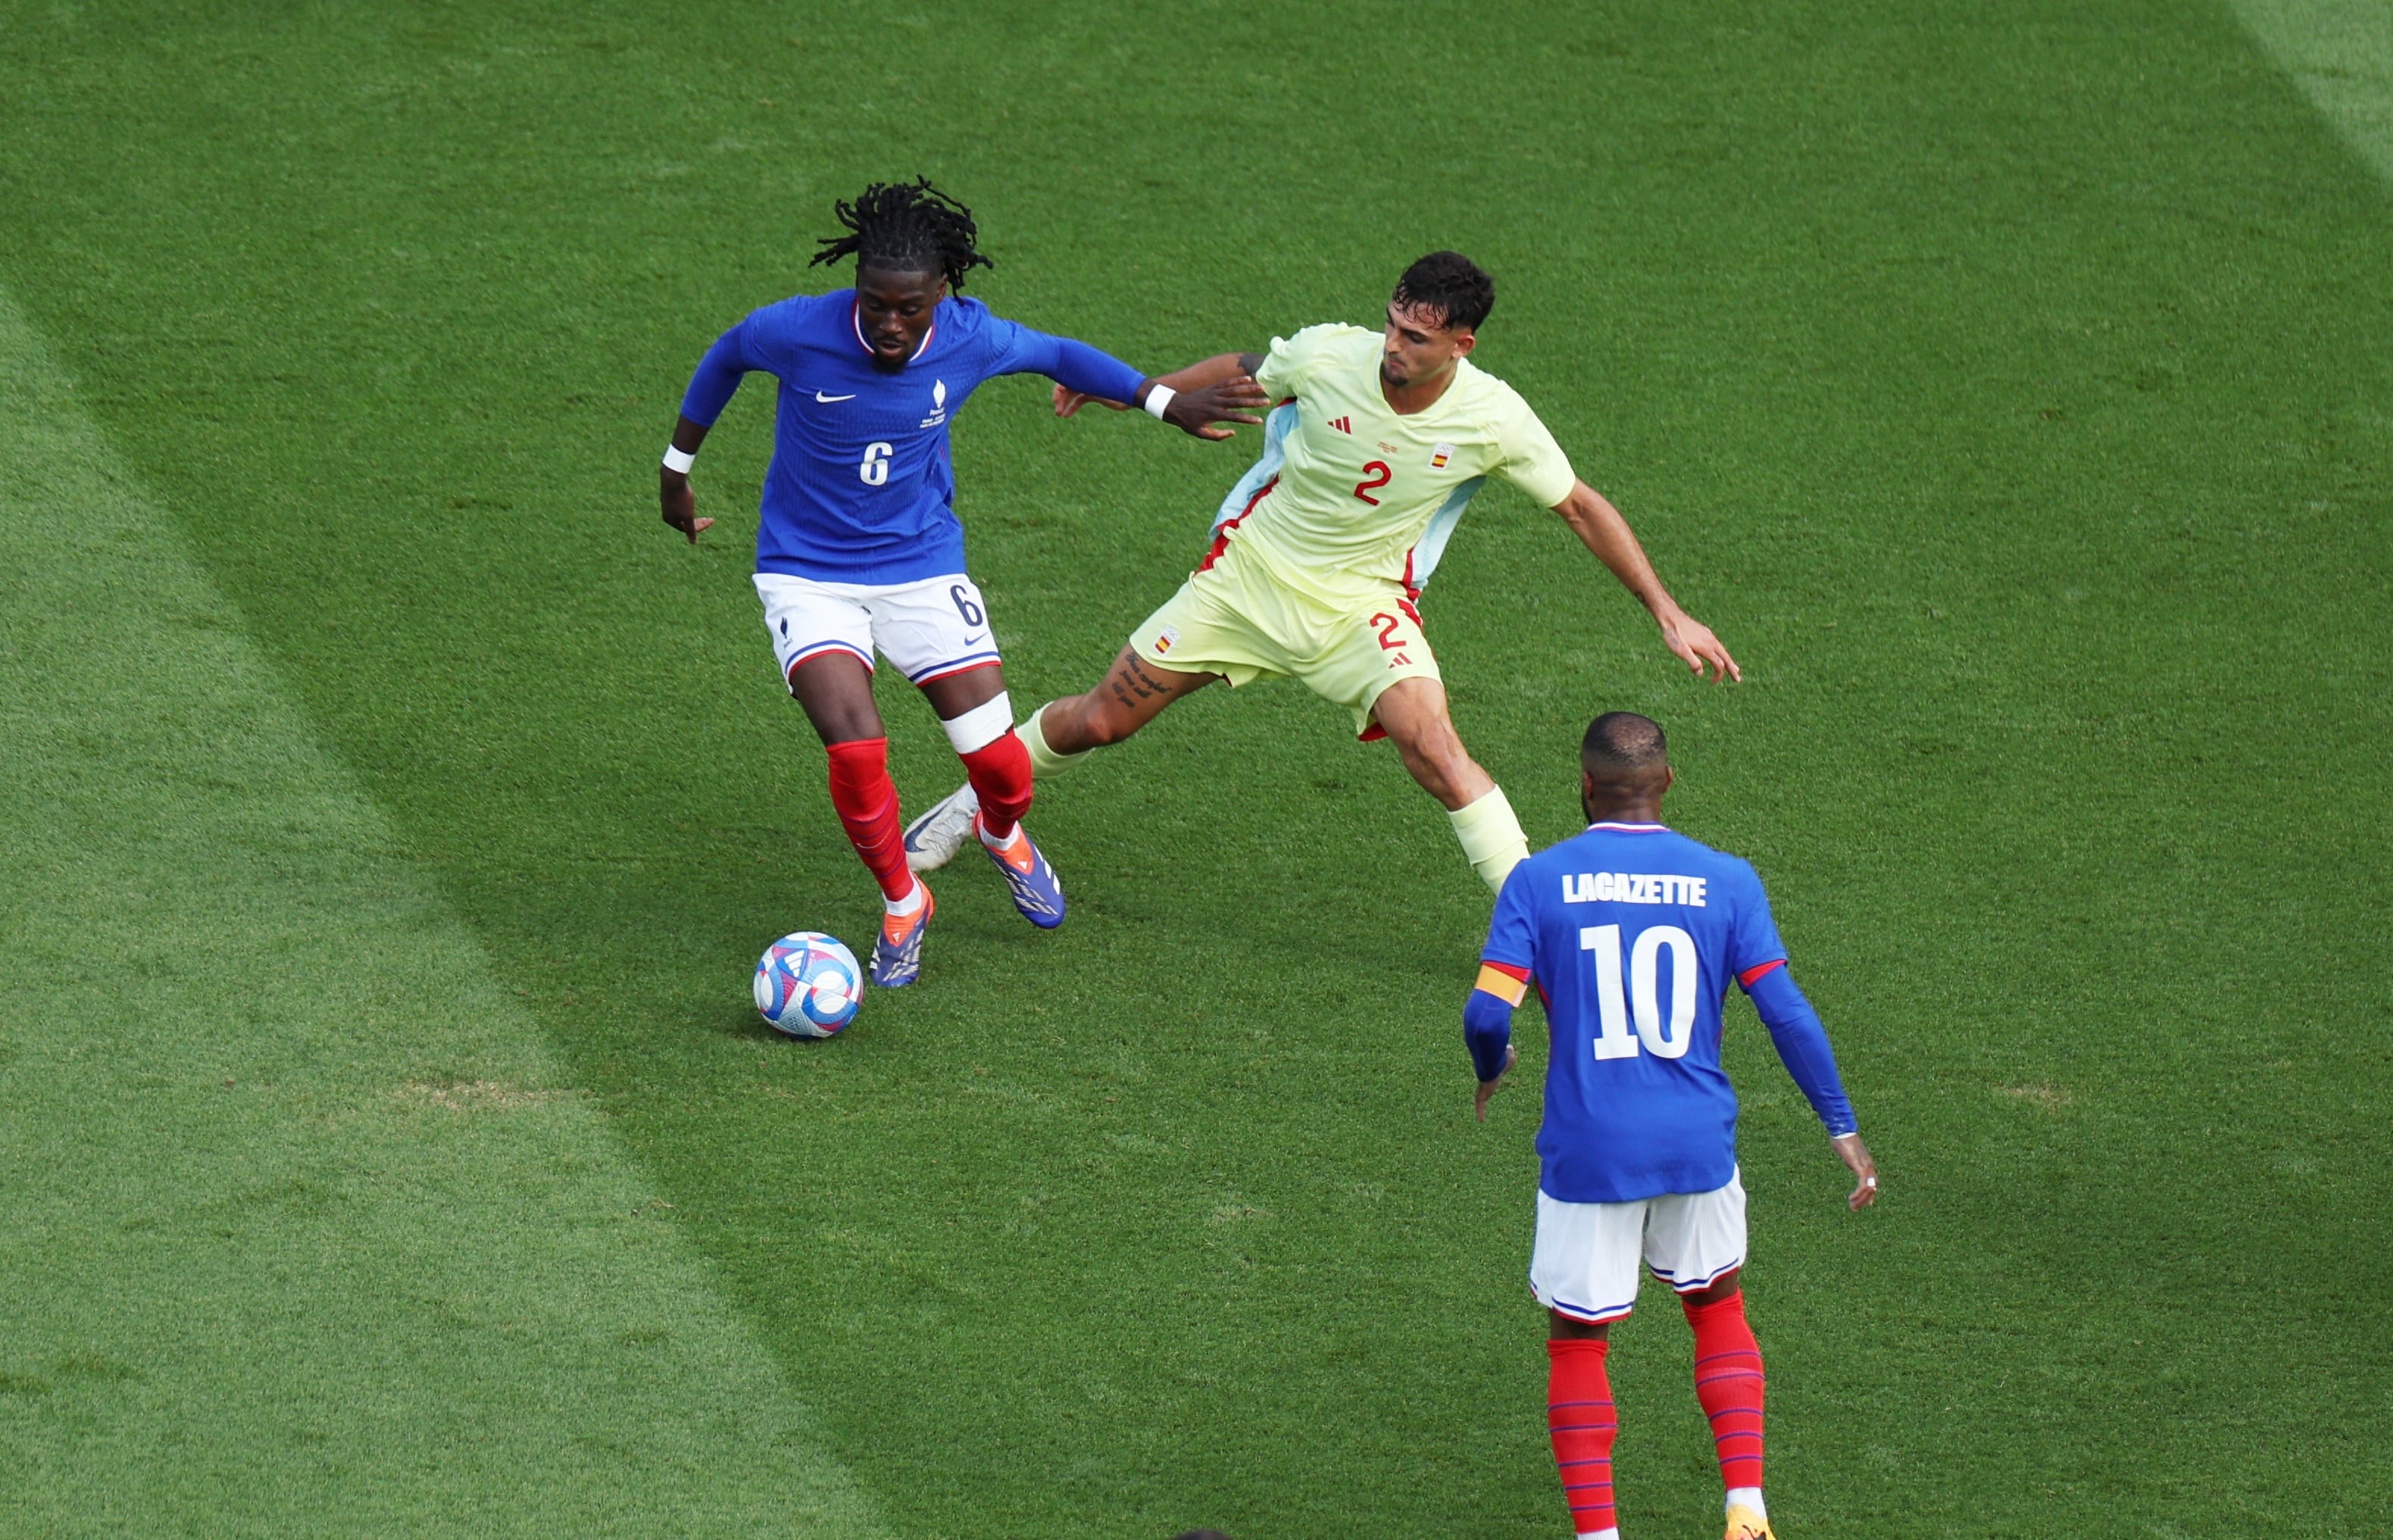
(1213, 371)
(672, 486)
(687, 436)
(673, 497)
(1597, 523)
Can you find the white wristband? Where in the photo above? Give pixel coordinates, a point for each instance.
(679, 460)
(1159, 396)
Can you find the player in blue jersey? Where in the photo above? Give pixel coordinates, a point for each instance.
(1631, 933)
(858, 550)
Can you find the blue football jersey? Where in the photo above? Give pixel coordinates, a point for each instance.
(861, 489)
(1633, 935)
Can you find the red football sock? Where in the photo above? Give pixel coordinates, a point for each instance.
(1579, 1416)
(866, 800)
(1000, 773)
(1728, 1381)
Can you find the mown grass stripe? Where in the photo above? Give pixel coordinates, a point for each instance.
(304, 1233)
(2340, 52)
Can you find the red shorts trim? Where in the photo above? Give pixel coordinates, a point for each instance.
(960, 668)
(817, 651)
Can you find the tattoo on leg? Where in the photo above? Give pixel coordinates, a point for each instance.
(1130, 680)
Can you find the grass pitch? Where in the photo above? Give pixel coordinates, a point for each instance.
(2006, 386)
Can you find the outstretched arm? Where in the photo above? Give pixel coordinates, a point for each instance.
(1597, 523)
(1222, 385)
(1080, 371)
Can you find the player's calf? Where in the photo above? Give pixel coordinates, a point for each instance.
(997, 767)
(996, 785)
(1729, 1384)
(1413, 713)
(1134, 692)
(1581, 1421)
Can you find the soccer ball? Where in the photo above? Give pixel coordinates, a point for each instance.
(808, 986)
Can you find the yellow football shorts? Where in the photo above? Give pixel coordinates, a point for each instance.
(1234, 619)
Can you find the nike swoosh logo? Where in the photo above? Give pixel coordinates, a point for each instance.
(976, 641)
(821, 396)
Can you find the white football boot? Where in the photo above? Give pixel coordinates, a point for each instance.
(935, 836)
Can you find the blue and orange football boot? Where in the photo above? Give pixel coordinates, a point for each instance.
(898, 950)
(1037, 891)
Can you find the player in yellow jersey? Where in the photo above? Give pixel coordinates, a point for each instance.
(1318, 556)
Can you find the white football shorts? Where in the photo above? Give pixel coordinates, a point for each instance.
(927, 628)
(1586, 1261)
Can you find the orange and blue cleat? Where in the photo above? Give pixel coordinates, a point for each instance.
(1037, 891)
(898, 950)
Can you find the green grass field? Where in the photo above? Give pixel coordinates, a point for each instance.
(390, 808)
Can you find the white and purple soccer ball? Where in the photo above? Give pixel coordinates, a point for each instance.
(808, 984)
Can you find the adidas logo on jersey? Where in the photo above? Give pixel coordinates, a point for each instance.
(1343, 425)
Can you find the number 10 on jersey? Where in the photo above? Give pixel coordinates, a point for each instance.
(1664, 1039)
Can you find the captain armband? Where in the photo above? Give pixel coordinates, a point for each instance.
(1502, 984)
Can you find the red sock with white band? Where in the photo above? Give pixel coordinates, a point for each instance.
(1001, 778)
(995, 761)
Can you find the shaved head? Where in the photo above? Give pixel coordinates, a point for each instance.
(1622, 748)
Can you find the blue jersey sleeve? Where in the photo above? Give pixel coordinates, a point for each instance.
(718, 375)
(1070, 363)
(1802, 1045)
(1512, 931)
(1511, 946)
(1487, 1032)
(1753, 934)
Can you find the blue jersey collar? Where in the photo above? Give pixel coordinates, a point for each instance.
(1631, 828)
(856, 325)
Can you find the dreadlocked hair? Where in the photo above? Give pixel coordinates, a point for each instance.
(906, 228)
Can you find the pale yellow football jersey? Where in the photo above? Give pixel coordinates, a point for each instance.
(1350, 497)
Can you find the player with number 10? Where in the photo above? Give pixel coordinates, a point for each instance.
(1631, 933)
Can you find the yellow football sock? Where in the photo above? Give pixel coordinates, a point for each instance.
(1045, 762)
(1492, 840)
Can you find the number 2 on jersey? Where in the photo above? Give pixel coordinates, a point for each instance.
(1663, 1040)
(1372, 483)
